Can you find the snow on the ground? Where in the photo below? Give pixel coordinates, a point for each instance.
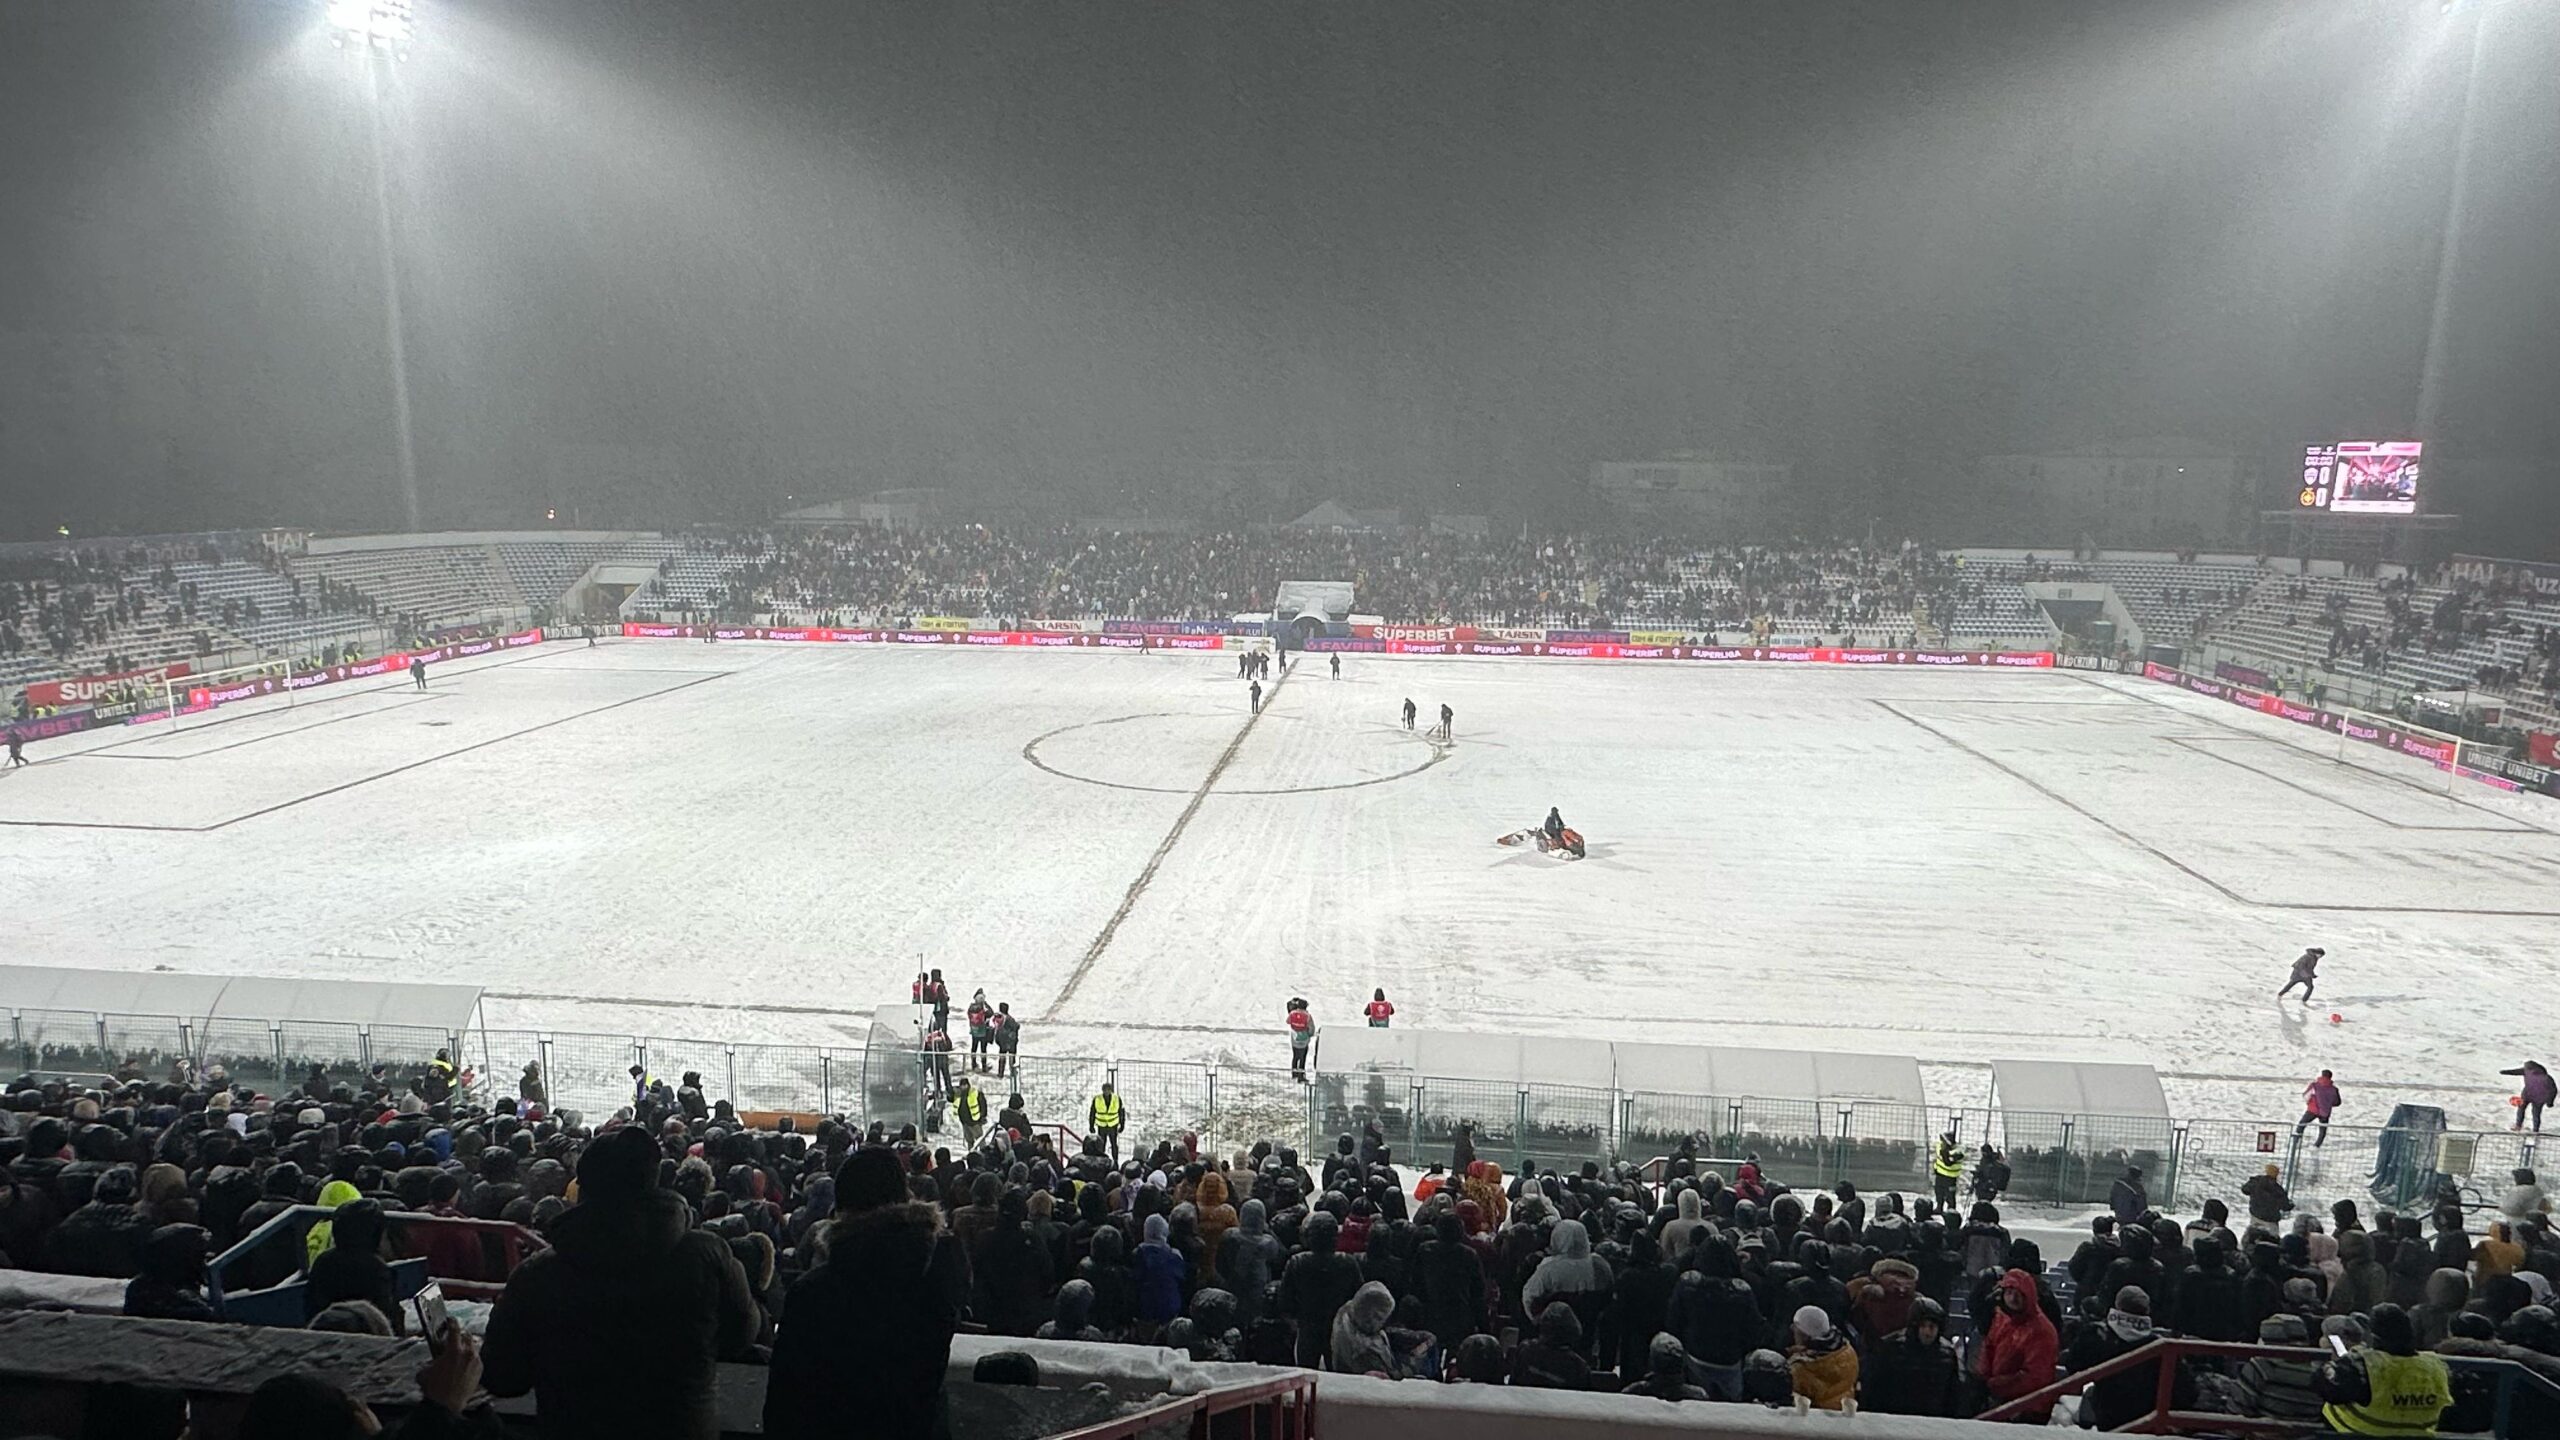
(655, 837)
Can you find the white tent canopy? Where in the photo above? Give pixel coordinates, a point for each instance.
(200, 998)
(2078, 1087)
(1633, 1066)
(1740, 1071)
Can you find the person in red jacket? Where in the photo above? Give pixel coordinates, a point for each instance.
(1302, 1033)
(2318, 1099)
(2018, 1355)
(1379, 1011)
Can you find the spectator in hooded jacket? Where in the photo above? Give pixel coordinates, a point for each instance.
(2362, 1282)
(1161, 1274)
(1248, 1260)
(1914, 1370)
(1553, 1360)
(1570, 1275)
(1358, 1343)
(2020, 1350)
(618, 1325)
(1666, 1375)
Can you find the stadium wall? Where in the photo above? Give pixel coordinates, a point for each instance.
(1394, 640)
(2510, 775)
(71, 722)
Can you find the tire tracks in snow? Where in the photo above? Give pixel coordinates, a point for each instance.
(1155, 862)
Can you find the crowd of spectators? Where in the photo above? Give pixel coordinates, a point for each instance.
(1567, 581)
(678, 1237)
(59, 602)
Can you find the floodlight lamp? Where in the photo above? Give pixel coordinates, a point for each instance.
(384, 25)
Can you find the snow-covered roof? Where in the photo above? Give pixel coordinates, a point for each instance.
(238, 997)
(2078, 1087)
(1739, 1071)
(1721, 1070)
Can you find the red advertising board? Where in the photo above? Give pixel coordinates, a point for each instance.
(94, 689)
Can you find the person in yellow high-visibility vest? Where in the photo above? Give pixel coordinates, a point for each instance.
(970, 1104)
(2387, 1387)
(1945, 1168)
(1106, 1118)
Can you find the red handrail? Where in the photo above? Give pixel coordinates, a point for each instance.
(2167, 1352)
(1290, 1397)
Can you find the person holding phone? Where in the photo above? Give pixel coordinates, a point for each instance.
(303, 1406)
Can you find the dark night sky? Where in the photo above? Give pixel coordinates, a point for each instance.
(665, 260)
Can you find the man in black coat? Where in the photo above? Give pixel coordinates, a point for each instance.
(1913, 1371)
(171, 1286)
(1451, 1280)
(1315, 1285)
(1640, 1306)
(2127, 1197)
(617, 1327)
(352, 1268)
(103, 1237)
(1716, 1317)
(2136, 1268)
(884, 1307)
(2208, 1304)
(2089, 1263)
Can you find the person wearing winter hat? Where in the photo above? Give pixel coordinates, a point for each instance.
(619, 1325)
(2386, 1386)
(1822, 1366)
(2129, 1395)
(2281, 1389)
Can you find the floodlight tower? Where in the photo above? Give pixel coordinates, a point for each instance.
(377, 33)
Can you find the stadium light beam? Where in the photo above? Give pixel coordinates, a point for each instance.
(2449, 250)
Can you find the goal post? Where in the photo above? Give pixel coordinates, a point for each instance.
(2359, 729)
(185, 695)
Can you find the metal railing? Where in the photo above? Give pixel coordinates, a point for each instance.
(272, 1254)
(2167, 1354)
(2053, 1158)
(1281, 1408)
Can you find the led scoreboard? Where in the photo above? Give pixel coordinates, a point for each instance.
(2361, 477)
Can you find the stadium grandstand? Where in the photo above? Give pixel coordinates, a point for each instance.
(112, 607)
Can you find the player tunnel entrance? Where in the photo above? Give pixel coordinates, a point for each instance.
(1308, 609)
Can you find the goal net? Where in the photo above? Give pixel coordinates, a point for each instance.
(190, 695)
(2361, 732)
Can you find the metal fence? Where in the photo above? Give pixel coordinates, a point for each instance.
(1877, 1145)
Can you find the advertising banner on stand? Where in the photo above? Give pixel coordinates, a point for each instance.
(101, 689)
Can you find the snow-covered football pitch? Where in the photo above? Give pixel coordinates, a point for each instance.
(658, 836)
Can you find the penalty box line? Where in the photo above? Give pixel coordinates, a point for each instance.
(2181, 866)
(369, 779)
